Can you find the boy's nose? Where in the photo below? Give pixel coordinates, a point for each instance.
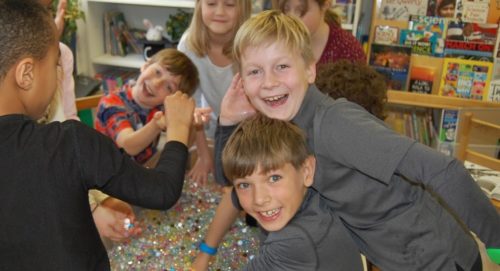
(261, 196)
(270, 80)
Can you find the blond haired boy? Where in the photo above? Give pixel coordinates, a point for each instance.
(376, 180)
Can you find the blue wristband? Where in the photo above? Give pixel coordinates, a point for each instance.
(208, 249)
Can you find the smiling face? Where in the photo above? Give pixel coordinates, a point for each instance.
(273, 198)
(154, 83)
(275, 80)
(219, 16)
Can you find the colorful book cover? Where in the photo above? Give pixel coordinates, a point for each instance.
(393, 62)
(421, 42)
(465, 78)
(448, 126)
(421, 79)
(385, 34)
(470, 39)
(397, 10)
(434, 24)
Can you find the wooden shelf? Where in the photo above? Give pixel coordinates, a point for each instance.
(159, 3)
(129, 61)
(88, 102)
(435, 101)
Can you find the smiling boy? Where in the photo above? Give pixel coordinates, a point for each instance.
(271, 170)
(377, 181)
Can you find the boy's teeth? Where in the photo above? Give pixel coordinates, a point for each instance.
(275, 98)
(270, 212)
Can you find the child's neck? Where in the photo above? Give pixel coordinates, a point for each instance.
(215, 53)
(319, 40)
(9, 102)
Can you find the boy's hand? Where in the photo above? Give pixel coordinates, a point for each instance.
(160, 120)
(202, 115)
(202, 167)
(235, 106)
(110, 217)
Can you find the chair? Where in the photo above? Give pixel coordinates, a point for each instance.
(464, 150)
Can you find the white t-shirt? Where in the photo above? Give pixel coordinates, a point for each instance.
(214, 82)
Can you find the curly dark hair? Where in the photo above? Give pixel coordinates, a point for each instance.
(355, 81)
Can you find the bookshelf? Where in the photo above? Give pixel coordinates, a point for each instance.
(157, 11)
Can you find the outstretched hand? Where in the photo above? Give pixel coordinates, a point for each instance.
(235, 106)
(110, 218)
(59, 19)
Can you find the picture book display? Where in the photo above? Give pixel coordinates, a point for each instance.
(465, 78)
(400, 10)
(393, 62)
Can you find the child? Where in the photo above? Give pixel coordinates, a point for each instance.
(108, 212)
(47, 170)
(357, 82)
(330, 42)
(271, 170)
(208, 42)
(126, 116)
(381, 184)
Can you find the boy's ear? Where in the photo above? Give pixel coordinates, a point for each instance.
(24, 73)
(311, 73)
(309, 168)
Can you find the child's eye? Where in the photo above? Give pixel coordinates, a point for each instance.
(282, 66)
(253, 72)
(275, 178)
(242, 186)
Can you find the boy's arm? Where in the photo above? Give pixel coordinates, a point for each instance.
(224, 218)
(290, 252)
(449, 179)
(204, 162)
(133, 142)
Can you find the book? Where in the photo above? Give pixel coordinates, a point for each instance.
(385, 34)
(465, 78)
(421, 79)
(397, 10)
(421, 42)
(434, 24)
(494, 91)
(393, 62)
(448, 125)
(470, 40)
